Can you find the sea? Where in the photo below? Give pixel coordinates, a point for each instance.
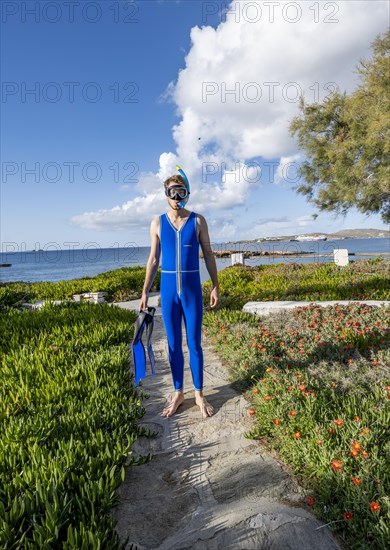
(64, 264)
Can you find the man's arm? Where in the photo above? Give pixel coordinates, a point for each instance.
(152, 263)
(209, 258)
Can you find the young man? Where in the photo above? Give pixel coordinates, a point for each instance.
(177, 235)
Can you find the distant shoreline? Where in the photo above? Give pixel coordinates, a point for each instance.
(330, 237)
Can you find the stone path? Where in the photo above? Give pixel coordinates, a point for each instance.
(207, 487)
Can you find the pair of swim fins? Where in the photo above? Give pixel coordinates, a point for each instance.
(144, 322)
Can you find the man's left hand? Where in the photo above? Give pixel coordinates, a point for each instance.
(214, 297)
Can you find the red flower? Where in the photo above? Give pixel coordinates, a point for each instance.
(375, 506)
(356, 481)
(290, 388)
(338, 422)
(355, 445)
(301, 388)
(310, 500)
(292, 413)
(336, 465)
(356, 418)
(348, 515)
(354, 453)
(251, 412)
(276, 421)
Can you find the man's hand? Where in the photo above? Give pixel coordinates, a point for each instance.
(144, 301)
(214, 296)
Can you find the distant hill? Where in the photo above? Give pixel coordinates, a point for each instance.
(360, 233)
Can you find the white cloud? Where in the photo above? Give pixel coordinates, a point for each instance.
(288, 169)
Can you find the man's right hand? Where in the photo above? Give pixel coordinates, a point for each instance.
(144, 301)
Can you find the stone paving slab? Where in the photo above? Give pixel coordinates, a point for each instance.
(265, 308)
(207, 487)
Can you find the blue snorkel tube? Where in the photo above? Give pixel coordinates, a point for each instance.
(184, 201)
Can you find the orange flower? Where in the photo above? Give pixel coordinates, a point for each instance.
(290, 388)
(375, 506)
(269, 368)
(348, 515)
(336, 465)
(331, 431)
(276, 421)
(356, 481)
(319, 441)
(251, 412)
(267, 398)
(364, 453)
(297, 435)
(365, 431)
(356, 418)
(310, 500)
(292, 413)
(356, 445)
(301, 388)
(354, 453)
(338, 422)
(255, 390)
(264, 380)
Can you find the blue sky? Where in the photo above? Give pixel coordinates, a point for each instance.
(149, 79)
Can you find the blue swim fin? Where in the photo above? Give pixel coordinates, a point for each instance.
(144, 321)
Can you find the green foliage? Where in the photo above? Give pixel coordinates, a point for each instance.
(346, 140)
(120, 284)
(318, 382)
(360, 280)
(69, 414)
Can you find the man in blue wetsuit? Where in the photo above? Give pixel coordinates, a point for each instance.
(177, 235)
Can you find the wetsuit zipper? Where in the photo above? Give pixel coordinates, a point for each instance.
(178, 263)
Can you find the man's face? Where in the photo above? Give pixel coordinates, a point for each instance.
(176, 193)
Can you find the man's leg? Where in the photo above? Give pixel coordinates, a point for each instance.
(192, 303)
(171, 314)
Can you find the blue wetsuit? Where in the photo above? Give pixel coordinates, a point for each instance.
(181, 295)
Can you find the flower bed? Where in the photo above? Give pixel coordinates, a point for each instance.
(318, 384)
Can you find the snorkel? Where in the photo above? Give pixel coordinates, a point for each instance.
(182, 203)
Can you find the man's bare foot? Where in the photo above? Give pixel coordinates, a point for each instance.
(206, 408)
(174, 405)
